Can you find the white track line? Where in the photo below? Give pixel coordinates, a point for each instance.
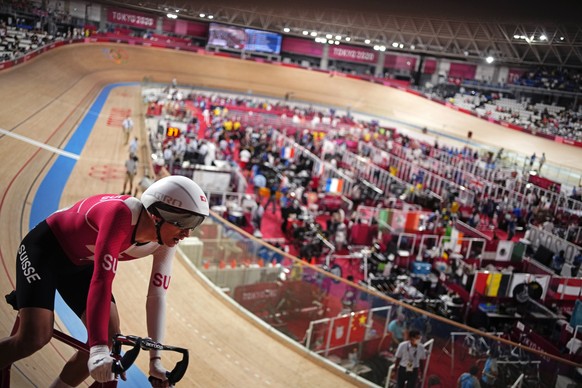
(40, 145)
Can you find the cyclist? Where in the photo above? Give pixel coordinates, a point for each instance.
(76, 250)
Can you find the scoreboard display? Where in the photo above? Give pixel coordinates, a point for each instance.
(173, 132)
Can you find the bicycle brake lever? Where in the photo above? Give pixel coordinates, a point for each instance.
(128, 359)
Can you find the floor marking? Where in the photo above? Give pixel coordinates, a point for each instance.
(40, 145)
(117, 115)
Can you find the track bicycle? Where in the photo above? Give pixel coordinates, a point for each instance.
(123, 362)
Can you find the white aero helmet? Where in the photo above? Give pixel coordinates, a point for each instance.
(177, 200)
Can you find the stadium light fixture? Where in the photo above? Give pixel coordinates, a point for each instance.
(376, 47)
(172, 16)
(336, 42)
(382, 48)
(202, 15)
(412, 47)
(401, 45)
(543, 37)
(313, 33)
(561, 38)
(489, 59)
(516, 36)
(286, 29)
(395, 44)
(348, 38)
(338, 37)
(367, 41)
(210, 17)
(329, 36)
(305, 32)
(330, 41)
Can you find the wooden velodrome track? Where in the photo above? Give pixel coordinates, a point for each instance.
(45, 99)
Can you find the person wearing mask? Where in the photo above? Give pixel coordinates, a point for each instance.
(410, 357)
(397, 327)
(490, 370)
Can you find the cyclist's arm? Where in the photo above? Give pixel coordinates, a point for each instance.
(156, 299)
(107, 248)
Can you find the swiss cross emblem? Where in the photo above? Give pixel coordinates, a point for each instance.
(203, 198)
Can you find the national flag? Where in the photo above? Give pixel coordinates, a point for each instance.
(412, 222)
(493, 282)
(358, 327)
(339, 331)
(455, 239)
(504, 285)
(398, 221)
(287, 152)
(334, 185)
(481, 282)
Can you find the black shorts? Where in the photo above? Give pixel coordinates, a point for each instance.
(42, 267)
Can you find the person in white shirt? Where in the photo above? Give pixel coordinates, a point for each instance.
(410, 357)
(133, 146)
(127, 126)
(245, 158)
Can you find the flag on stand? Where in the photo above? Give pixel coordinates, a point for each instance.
(287, 152)
(455, 239)
(334, 185)
(339, 331)
(358, 327)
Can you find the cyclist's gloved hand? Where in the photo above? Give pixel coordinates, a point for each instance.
(158, 373)
(100, 364)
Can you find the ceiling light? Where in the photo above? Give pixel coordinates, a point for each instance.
(305, 32)
(401, 45)
(516, 36)
(329, 36)
(337, 42)
(286, 29)
(172, 16)
(382, 48)
(489, 59)
(202, 15)
(394, 44)
(543, 37)
(313, 33)
(338, 37)
(376, 47)
(210, 17)
(348, 38)
(561, 38)
(367, 41)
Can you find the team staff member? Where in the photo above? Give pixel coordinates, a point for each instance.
(76, 250)
(410, 357)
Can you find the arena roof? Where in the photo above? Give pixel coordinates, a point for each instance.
(513, 32)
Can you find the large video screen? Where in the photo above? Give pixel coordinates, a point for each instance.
(263, 41)
(226, 36)
(243, 39)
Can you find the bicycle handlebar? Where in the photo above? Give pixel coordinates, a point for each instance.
(138, 343)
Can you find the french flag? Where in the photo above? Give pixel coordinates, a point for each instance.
(287, 152)
(334, 185)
